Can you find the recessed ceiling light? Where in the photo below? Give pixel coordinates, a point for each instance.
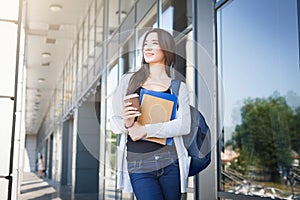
(46, 54)
(55, 7)
(41, 80)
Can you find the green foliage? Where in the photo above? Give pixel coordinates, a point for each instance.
(295, 130)
(268, 132)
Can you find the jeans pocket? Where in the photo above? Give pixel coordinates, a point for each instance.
(176, 163)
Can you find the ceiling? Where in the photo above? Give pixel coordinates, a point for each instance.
(50, 32)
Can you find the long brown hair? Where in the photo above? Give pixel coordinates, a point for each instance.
(167, 45)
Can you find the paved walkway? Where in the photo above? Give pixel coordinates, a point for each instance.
(35, 188)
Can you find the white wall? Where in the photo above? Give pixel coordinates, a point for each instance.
(30, 153)
(8, 38)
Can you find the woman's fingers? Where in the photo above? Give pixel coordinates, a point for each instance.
(129, 113)
(130, 108)
(126, 104)
(132, 115)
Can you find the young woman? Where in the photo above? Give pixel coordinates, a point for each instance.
(41, 166)
(152, 170)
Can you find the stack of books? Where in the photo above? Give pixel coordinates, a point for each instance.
(157, 107)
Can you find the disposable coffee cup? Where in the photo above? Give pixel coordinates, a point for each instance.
(134, 99)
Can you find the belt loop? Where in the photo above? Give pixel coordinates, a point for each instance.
(140, 164)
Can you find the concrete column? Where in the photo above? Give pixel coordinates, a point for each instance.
(87, 149)
(207, 92)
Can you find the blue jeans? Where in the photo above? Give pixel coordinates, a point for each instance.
(155, 178)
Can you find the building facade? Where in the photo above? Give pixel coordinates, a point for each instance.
(75, 136)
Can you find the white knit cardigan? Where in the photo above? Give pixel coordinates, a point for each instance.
(174, 128)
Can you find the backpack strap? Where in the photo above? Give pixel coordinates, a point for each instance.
(175, 85)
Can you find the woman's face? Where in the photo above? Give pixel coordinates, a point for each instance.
(152, 51)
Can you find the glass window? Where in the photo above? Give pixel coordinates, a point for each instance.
(258, 58)
(99, 23)
(127, 58)
(91, 45)
(167, 16)
(149, 21)
(113, 16)
(74, 66)
(80, 64)
(110, 138)
(125, 7)
(182, 14)
(99, 37)
(58, 101)
(67, 85)
(85, 51)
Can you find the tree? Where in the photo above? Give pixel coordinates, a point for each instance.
(263, 137)
(295, 130)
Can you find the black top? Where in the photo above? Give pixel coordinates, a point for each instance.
(143, 146)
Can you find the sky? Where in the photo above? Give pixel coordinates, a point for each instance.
(259, 52)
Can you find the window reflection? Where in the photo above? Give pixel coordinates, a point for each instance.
(258, 61)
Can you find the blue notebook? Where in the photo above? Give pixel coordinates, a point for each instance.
(169, 102)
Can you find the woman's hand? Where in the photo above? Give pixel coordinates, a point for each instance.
(137, 131)
(129, 113)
